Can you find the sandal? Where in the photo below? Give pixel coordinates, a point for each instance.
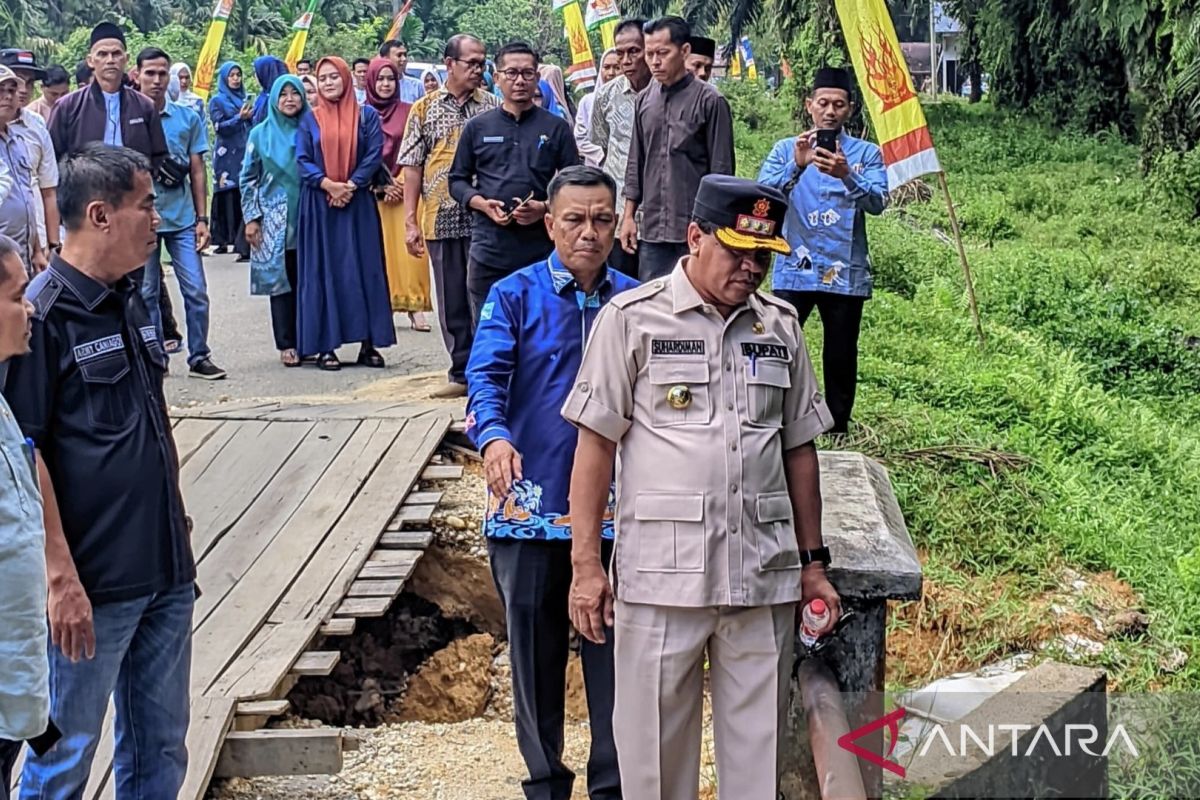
(173, 346)
(422, 328)
(328, 362)
(369, 357)
(289, 357)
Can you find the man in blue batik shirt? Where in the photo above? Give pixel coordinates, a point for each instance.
(527, 351)
(829, 195)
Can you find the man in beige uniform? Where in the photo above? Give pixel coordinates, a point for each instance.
(704, 389)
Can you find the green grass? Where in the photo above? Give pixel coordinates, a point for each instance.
(1088, 281)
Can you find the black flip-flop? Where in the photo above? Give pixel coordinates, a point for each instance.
(329, 362)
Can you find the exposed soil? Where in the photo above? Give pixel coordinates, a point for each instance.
(452, 686)
(460, 585)
(955, 628)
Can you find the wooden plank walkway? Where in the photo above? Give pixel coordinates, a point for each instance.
(290, 502)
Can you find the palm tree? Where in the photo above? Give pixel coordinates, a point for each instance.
(16, 20)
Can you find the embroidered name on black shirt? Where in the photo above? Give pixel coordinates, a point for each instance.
(677, 347)
(765, 350)
(98, 347)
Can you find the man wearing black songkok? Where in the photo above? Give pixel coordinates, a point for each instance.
(704, 54)
(106, 110)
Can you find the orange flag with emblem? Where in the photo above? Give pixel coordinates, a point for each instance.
(888, 91)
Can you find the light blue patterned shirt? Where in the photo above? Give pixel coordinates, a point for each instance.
(825, 222)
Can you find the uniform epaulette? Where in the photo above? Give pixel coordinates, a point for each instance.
(775, 301)
(43, 290)
(648, 289)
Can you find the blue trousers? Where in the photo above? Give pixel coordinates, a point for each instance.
(189, 270)
(143, 662)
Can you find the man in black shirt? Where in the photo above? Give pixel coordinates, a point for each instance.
(118, 556)
(504, 162)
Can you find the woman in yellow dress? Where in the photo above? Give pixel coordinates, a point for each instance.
(408, 277)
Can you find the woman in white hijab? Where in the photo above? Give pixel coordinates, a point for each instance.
(593, 155)
(180, 89)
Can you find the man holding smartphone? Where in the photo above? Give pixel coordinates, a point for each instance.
(502, 167)
(832, 180)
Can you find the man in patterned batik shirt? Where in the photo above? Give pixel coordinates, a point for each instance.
(435, 124)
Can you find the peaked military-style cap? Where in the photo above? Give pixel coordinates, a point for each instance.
(748, 215)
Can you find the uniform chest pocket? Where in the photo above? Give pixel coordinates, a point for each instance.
(767, 380)
(110, 403)
(670, 531)
(681, 392)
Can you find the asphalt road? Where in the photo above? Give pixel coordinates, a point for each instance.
(242, 344)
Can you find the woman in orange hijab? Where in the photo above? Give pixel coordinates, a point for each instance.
(342, 291)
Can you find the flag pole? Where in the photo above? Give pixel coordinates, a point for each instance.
(962, 257)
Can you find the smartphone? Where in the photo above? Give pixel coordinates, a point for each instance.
(827, 139)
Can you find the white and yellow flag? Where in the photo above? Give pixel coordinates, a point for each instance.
(603, 14)
(206, 62)
(300, 37)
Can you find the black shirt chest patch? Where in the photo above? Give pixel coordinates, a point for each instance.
(758, 350)
(677, 347)
(98, 347)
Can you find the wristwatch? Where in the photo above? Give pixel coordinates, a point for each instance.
(54, 246)
(820, 554)
(200, 220)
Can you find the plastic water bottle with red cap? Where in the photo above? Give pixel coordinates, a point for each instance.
(813, 620)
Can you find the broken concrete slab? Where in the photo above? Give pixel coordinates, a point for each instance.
(1032, 735)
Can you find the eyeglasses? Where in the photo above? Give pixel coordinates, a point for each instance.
(474, 66)
(513, 74)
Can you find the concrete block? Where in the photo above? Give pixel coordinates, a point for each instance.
(1030, 717)
(873, 555)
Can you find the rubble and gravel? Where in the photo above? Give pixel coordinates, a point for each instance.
(473, 760)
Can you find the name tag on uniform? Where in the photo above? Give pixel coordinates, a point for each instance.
(98, 347)
(137, 121)
(677, 347)
(149, 334)
(756, 350)
(493, 140)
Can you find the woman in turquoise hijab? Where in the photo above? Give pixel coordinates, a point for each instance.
(230, 113)
(270, 187)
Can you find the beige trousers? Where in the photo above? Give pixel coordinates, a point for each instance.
(659, 663)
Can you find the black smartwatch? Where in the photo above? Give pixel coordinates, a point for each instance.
(201, 220)
(820, 554)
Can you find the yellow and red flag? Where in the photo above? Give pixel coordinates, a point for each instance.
(206, 62)
(888, 91)
(300, 37)
(398, 21)
(582, 71)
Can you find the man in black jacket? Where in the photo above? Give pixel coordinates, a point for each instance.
(502, 167)
(106, 110)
